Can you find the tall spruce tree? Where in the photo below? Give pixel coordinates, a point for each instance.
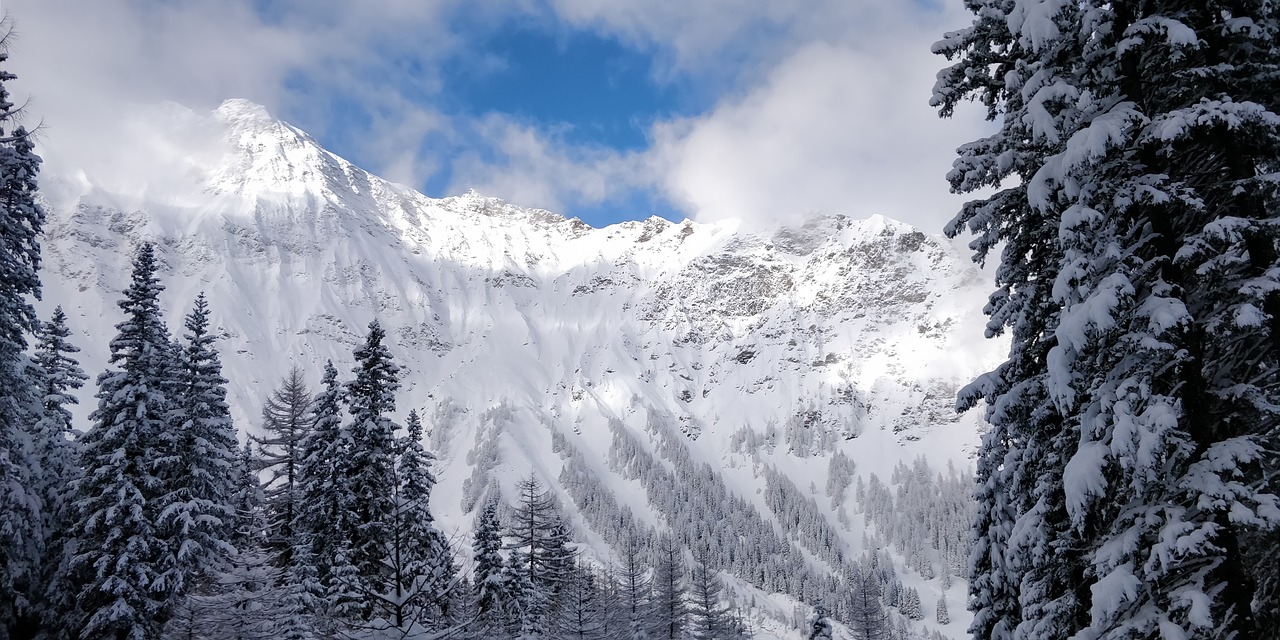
(286, 420)
(1141, 285)
(422, 558)
(59, 374)
(200, 468)
(121, 551)
(322, 518)
(21, 223)
(241, 598)
(487, 574)
(369, 484)
(56, 452)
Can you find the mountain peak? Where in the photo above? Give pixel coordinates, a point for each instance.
(266, 155)
(240, 109)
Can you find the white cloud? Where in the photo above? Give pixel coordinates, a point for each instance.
(832, 129)
(822, 105)
(535, 168)
(826, 108)
(94, 69)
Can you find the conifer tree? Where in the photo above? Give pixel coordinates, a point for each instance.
(286, 420)
(522, 621)
(942, 616)
(579, 610)
(21, 223)
(299, 619)
(1140, 286)
(121, 552)
(708, 618)
(321, 517)
(487, 574)
(819, 625)
(369, 484)
(668, 608)
(59, 374)
(539, 541)
(428, 560)
(417, 553)
(241, 598)
(867, 618)
(200, 470)
(634, 588)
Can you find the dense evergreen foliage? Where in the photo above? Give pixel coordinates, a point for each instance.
(122, 554)
(22, 534)
(1130, 460)
(1127, 486)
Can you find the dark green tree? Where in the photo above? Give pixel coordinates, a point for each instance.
(22, 538)
(121, 551)
(199, 468)
(1133, 420)
(322, 518)
(56, 452)
(487, 574)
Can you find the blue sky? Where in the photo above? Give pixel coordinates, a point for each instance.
(602, 109)
(585, 88)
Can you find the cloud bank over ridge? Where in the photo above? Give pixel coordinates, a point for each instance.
(820, 105)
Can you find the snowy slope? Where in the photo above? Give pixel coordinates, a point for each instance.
(513, 324)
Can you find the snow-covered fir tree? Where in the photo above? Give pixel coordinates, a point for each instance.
(60, 374)
(487, 575)
(942, 617)
(244, 598)
(22, 537)
(286, 420)
(1139, 282)
(521, 621)
(121, 552)
(368, 488)
(199, 466)
(911, 607)
(417, 554)
(819, 624)
(56, 452)
(321, 516)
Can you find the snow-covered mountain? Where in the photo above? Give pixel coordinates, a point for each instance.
(536, 343)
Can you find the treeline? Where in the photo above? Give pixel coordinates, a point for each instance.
(923, 514)
(158, 525)
(153, 522)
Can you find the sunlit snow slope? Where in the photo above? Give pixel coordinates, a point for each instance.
(513, 324)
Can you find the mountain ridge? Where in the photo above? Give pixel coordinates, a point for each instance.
(520, 328)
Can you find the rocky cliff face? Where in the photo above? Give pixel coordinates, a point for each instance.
(521, 332)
